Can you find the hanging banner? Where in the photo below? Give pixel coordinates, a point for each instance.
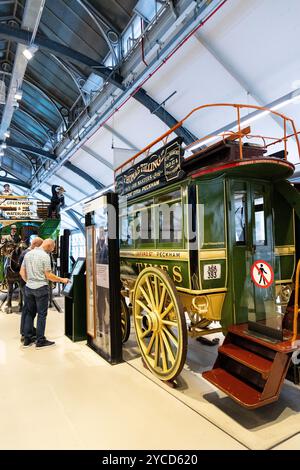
(18, 208)
(153, 172)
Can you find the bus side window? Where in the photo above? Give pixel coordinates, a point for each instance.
(126, 239)
(240, 208)
(144, 223)
(259, 220)
(170, 217)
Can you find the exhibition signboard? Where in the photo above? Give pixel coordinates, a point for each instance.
(103, 277)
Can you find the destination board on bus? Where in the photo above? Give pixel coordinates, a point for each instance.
(157, 170)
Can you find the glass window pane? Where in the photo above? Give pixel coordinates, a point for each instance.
(240, 207)
(170, 222)
(259, 220)
(144, 222)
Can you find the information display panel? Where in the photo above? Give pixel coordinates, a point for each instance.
(103, 277)
(79, 268)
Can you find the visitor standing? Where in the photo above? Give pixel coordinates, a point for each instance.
(36, 272)
(36, 242)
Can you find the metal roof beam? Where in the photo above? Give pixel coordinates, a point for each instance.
(5, 179)
(100, 15)
(71, 184)
(36, 150)
(142, 97)
(100, 27)
(52, 157)
(76, 220)
(30, 21)
(97, 156)
(84, 175)
(23, 37)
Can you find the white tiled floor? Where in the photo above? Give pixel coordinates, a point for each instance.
(67, 397)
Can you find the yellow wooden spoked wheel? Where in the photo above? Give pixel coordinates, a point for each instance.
(125, 320)
(159, 323)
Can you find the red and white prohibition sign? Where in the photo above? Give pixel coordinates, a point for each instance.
(262, 274)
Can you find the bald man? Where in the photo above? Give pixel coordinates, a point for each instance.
(36, 272)
(36, 242)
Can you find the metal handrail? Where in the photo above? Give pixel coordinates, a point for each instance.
(239, 134)
(296, 303)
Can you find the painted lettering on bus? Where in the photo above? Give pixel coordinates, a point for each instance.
(176, 270)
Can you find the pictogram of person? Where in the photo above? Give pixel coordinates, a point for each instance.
(262, 272)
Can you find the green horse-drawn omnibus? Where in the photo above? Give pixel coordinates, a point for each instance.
(208, 244)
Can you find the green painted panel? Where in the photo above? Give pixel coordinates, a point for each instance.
(284, 221)
(177, 270)
(211, 213)
(290, 193)
(50, 229)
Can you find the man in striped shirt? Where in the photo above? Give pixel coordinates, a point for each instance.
(36, 272)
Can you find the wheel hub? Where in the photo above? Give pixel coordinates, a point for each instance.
(152, 322)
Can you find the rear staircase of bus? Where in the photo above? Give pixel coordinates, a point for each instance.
(250, 368)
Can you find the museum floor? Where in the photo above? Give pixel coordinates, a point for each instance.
(67, 397)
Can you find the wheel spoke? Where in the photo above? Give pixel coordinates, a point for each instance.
(144, 333)
(145, 295)
(162, 298)
(163, 354)
(143, 306)
(168, 347)
(168, 310)
(156, 351)
(151, 342)
(169, 323)
(150, 291)
(171, 336)
(156, 291)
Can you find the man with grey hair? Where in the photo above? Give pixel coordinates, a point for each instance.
(36, 242)
(36, 272)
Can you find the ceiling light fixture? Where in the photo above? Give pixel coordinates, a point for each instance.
(30, 51)
(7, 134)
(18, 94)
